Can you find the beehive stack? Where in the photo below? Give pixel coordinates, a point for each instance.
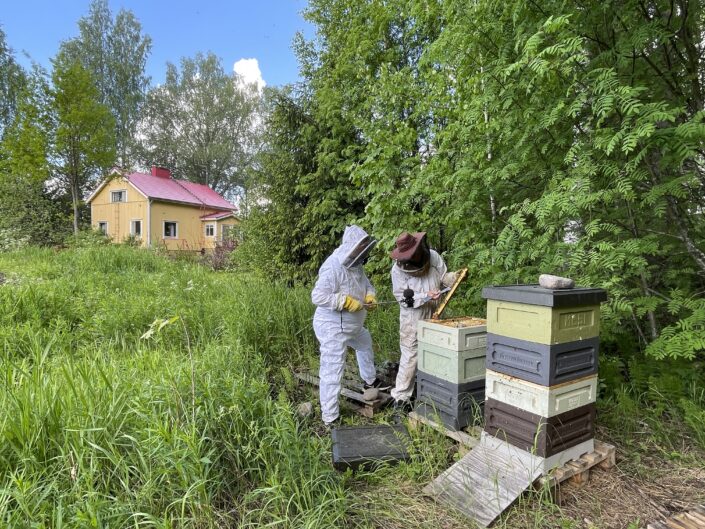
(542, 353)
(450, 382)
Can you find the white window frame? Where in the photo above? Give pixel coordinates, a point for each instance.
(112, 196)
(211, 225)
(132, 228)
(101, 222)
(176, 229)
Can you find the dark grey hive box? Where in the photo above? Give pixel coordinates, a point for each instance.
(366, 446)
(454, 404)
(543, 364)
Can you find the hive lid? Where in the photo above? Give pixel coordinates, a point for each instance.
(365, 446)
(536, 295)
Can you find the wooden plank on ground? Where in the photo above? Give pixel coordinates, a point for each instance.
(483, 483)
(460, 436)
(656, 525)
(360, 405)
(692, 519)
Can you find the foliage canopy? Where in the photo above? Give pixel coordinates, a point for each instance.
(524, 137)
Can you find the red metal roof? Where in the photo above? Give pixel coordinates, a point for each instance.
(161, 188)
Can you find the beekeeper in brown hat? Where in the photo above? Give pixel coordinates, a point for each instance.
(420, 269)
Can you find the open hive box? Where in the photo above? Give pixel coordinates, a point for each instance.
(451, 369)
(456, 334)
(464, 321)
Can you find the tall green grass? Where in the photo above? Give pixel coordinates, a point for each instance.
(142, 392)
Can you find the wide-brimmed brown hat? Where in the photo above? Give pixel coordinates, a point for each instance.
(407, 245)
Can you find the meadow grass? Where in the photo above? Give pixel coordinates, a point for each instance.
(144, 392)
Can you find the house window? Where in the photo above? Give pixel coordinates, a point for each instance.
(231, 232)
(103, 227)
(118, 196)
(170, 229)
(136, 228)
(210, 230)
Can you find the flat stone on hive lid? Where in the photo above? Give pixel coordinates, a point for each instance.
(555, 282)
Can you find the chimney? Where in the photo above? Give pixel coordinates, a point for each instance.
(161, 172)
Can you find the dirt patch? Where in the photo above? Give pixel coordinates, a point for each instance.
(617, 498)
(627, 496)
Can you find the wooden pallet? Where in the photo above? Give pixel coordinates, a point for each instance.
(578, 472)
(353, 395)
(692, 519)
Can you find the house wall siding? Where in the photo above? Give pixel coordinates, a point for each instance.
(119, 215)
(191, 233)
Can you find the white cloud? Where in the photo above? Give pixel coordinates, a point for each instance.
(249, 70)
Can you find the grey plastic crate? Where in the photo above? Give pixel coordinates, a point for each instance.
(447, 394)
(543, 436)
(536, 295)
(455, 334)
(543, 364)
(450, 421)
(455, 404)
(368, 446)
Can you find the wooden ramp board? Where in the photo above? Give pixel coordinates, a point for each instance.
(692, 519)
(360, 405)
(487, 480)
(484, 482)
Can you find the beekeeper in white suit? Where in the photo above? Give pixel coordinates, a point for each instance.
(420, 269)
(341, 295)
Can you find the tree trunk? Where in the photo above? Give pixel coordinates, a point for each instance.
(680, 225)
(74, 200)
(644, 283)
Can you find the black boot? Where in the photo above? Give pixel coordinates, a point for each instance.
(379, 384)
(401, 408)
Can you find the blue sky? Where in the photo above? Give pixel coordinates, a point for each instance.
(233, 30)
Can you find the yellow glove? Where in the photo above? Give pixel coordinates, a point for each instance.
(351, 304)
(370, 302)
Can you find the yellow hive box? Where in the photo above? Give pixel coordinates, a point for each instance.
(546, 325)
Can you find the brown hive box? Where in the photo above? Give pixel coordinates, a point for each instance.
(542, 436)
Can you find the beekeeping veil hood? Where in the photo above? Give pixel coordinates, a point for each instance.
(356, 246)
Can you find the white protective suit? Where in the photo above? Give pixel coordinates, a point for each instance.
(436, 277)
(336, 328)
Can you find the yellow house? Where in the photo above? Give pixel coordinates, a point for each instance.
(159, 210)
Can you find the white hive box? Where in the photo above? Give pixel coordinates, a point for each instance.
(455, 334)
(545, 401)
